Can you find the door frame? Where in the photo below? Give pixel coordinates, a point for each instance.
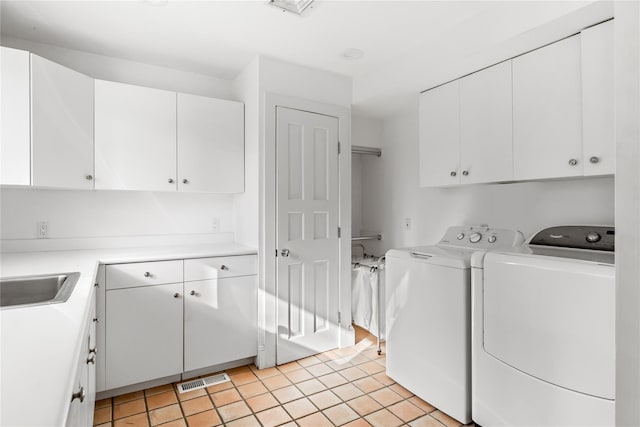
(267, 293)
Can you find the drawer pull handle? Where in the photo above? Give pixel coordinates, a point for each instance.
(81, 394)
(147, 274)
(224, 267)
(91, 360)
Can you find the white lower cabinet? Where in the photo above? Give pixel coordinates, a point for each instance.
(153, 329)
(220, 321)
(83, 398)
(144, 334)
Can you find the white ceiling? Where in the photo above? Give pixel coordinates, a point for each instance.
(220, 38)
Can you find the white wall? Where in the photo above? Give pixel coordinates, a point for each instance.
(82, 214)
(391, 193)
(246, 88)
(627, 61)
(366, 132)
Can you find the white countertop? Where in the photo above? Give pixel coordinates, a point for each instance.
(40, 345)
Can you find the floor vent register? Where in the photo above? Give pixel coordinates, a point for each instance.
(203, 382)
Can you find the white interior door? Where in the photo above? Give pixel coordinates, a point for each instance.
(307, 233)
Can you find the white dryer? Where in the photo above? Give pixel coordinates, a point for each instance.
(428, 315)
(543, 331)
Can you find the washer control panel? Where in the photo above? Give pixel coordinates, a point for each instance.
(596, 238)
(481, 237)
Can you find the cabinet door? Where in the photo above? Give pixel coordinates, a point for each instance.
(598, 124)
(15, 148)
(135, 134)
(440, 136)
(220, 322)
(486, 153)
(144, 334)
(61, 126)
(547, 119)
(210, 145)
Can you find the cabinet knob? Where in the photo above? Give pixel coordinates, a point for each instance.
(224, 267)
(192, 293)
(88, 177)
(170, 180)
(573, 162)
(80, 394)
(594, 159)
(465, 173)
(147, 274)
(93, 350)
(185, 181)
(91, 360)
(95, 320)
(453, 173)
(176, 295)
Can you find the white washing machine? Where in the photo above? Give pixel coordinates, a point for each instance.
(428, 315)
(544, 331)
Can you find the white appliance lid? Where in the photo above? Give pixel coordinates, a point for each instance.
(436, 255)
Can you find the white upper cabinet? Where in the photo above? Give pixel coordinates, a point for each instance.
(14, 147)
(598, 100)
(210, 144)
(135, 137)
(440, 136)
(61, 126)
(485, 125)
(547, 112)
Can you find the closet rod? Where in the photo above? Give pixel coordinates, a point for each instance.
(376, 237)
(358, 149)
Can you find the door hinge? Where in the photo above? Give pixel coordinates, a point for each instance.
(339, 147)
(339, 317)
(339, 232)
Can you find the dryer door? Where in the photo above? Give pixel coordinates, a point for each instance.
(553, 319)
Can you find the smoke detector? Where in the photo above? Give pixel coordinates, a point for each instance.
(294, 6)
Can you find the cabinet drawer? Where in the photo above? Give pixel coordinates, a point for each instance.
(219, 267)
(143, 274)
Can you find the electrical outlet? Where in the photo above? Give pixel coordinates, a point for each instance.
(42, 229)
(407, 224)
(215, 225)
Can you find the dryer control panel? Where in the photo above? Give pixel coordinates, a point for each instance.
(481, 237)
(596, 238)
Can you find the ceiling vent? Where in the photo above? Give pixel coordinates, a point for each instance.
(295, 6)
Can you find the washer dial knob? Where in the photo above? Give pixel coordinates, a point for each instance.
(475, 237)
(492, 239)
(460, 236)
(593, 237)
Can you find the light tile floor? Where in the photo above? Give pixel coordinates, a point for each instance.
(340, 387)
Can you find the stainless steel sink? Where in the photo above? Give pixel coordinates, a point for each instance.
(36, 290)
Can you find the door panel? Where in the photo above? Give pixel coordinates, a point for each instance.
(15, 160)
(61, 126)
(547, 112)
(144, 334)
(220, 321)
(598, 124)
(135, 137)
(307, 212)
(210, 144)
(440, 136)
(486, 152)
